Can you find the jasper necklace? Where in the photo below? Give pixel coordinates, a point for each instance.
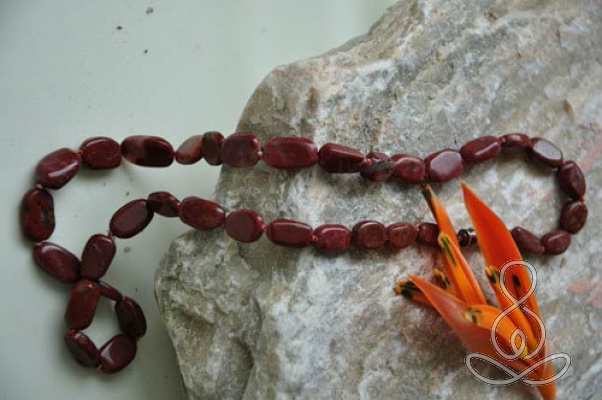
(243, 150)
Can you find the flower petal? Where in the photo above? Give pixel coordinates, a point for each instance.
(410, 291)
(454, 264)
(498, 248)
(453, 311)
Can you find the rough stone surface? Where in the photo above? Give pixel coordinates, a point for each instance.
(258, 321)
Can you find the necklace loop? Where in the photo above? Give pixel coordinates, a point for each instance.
(242, 150)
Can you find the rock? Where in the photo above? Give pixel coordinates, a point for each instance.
(258, 321)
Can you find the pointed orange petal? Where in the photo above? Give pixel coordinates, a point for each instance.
(454, 264)
(485, 315)
(462, 278)
(548, 392)
(516, 315)
(453, 311)
(410, 291)
(498, 247)
(443, 281)
(438, 211)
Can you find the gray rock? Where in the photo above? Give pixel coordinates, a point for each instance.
(257, 321)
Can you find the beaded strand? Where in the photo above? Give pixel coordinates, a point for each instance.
(242, 150)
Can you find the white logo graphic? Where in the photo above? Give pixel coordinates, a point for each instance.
(517, 351)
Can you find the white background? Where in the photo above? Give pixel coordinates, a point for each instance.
(67, 73)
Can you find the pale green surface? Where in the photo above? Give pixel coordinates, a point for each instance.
(67, 73)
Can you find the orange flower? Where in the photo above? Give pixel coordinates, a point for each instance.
(460, 301)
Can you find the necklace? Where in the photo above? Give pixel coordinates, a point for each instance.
(242, 150)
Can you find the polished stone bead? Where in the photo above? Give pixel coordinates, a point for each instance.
(444, 165)
(527, 241)
(57, 168)
(380, 167)
(131, 219)
(101, 153)
(573, 216)
(340, 159)
(467, 237)
(130, 317)
(571, 180)
(369, 235)
(480, 149)
(244, 225)
(57, 261)
(288, 232)
(97, 256)
(201, 214)
(241, 150)
(163, 203)
(330, 238)
(427, 234)
(546, 152)
(117, 353)
(82, 349)
(82, 304)
(290, 152)
(401, 234)
(109, 291)
(36, 215)
(211, 147)
(408, 168)
(556, 241)
(515, 143)
(190, 151)
(147, 151)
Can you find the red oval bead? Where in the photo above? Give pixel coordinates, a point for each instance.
(556, 242)
(131, 219)
(212, 147)
(190, 151)
(288, 232)
(57, 168)
(335, 158)
(571, 180)
(117, 353)
(330, 238)
(573, 216)
(201, 214)
(480, 149)
(244, 225)
(428, 234)
(101, 153)
(82, 304)
(515, 143)
(290, 152)
(527, 241)
(37, 215)
(546, 152)
(57, 261)
(83, 349)
(130, 317)
(147, 151)
(241, 150)
(163, 203)
(401, 234)
(97, 256)
(408, 168)
(109, 291)
(380, 167)
(369, 235)
(444, 165)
